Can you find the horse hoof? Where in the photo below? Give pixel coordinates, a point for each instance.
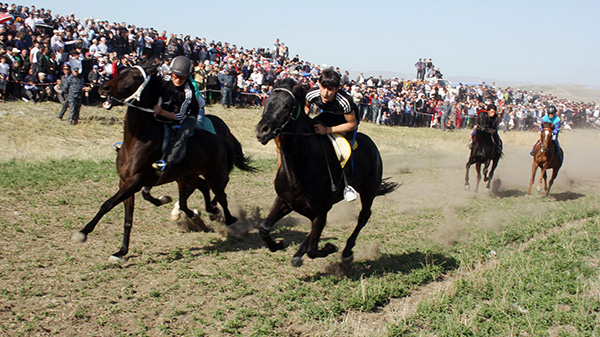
(116, 259)
(467, 187)
(297, 261)
(539, 189)
(214, 216)
(79, 237)
(330, 248)
(165, 199)
(175, 216)
(348, 260)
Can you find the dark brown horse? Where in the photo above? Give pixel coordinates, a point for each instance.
(309, 179)
(546, 156)
(207, 155)
(483, 152)
(127, 89)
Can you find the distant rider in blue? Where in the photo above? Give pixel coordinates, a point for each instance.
(552, 118)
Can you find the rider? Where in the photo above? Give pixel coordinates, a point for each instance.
(491, 127)
(179, 110)
(338, 111)
(551, 117)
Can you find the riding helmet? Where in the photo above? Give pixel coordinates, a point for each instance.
(552, 110)
(182, 66)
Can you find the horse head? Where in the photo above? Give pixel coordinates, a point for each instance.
(127, 83)
(283, 107)
(546, 136)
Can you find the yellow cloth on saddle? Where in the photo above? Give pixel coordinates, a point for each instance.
(341, 147)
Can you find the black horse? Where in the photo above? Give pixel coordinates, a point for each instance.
(309, 179)
(207, 155)
(484, 151)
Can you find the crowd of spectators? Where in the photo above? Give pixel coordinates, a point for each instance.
(36, 45)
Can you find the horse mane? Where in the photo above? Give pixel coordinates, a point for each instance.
(547, 125)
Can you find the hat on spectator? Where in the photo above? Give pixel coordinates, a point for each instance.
(95, 66)
(16, 50)
(66, 66)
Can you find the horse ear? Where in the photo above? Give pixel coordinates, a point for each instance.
(299, 92)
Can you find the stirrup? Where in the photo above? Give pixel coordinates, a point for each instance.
(349, 194)
(160, 165)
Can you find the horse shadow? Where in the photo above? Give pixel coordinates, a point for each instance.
(566, 196)
(392, 263)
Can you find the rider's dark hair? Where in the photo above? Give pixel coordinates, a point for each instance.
(329, 78)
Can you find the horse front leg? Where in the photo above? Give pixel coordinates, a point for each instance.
(533, 172)
(119, 256)
(165, 199)
(468, 166)
(127, 189)
(278, 211)
(310, 246)
(542, 178)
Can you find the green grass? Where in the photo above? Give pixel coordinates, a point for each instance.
(504, 265)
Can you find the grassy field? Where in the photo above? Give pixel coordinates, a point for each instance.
(434, 260)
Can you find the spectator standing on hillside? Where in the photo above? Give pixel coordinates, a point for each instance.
(228, 81)
(73, 88)
(420, 65)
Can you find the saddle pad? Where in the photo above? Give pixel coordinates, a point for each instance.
(341, 147)
(207, 125)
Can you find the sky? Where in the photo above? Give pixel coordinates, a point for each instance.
(510, 41)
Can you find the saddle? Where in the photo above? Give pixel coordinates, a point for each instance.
(342, 148)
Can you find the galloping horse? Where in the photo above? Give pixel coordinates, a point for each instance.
(546, 157)
(128, 85)
(484, 151)
(309, 179)
(207, 154)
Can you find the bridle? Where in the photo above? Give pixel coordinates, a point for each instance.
(137, 94)
(279, 131)
(545, 132)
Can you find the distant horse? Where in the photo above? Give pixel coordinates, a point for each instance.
(309, 178)
(484, 151)
(546, 157)
(207, 155)
(129, 85)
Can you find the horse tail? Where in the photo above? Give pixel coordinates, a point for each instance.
(387, 187)
(240, 160)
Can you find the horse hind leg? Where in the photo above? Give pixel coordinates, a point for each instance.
(491, 174)
(554, 174)
(209, 205)
(363, 217)
(217, 185)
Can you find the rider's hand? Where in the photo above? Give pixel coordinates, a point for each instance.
(158, 110)
(321, 129)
